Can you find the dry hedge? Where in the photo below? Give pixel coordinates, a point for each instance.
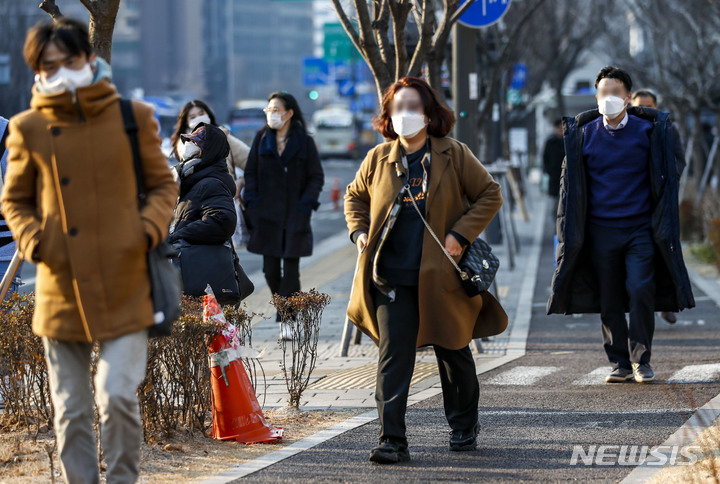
(302, 312)
(174, 394)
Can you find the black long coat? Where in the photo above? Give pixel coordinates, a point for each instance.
(553, 155)
(205, 213)
(574, 285)
(281, 192)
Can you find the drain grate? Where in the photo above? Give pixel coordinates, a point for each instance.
(363, 377)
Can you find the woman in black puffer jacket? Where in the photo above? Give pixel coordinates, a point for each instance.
(205, 217)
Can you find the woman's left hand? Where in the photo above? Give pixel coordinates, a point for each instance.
(452, 246)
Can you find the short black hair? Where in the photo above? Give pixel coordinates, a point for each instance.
(70, 36)
(558, 123)
(612, 72)
(645, 93)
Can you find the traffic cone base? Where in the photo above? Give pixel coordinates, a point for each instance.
(236, 412)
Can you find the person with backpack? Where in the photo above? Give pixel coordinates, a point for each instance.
(71, 201)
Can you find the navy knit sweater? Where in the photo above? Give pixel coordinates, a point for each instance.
(618, 172)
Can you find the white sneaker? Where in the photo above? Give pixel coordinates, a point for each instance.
(285, 332)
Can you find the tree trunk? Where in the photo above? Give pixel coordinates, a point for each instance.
(102, 22)
(434, 68)
(101, 33)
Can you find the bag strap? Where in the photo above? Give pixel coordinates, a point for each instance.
(131, 128)
(406, 188)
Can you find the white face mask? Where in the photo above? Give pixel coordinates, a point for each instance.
(66, 79)
(611, 106)
(190, 150)
(203, 118)
(275, 120)
(408, 123)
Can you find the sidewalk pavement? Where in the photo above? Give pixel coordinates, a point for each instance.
(349, 382)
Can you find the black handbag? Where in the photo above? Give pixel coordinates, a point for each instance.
(216, 265)
(165, 282)
(478, 265)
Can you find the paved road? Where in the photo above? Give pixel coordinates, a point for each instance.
(534, 410)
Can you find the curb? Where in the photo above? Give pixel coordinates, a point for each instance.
(701, 420)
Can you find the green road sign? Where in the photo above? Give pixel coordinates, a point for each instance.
(337, 45)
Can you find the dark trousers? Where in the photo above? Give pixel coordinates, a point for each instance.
(282, 275)
(624, 262)
(398, 323)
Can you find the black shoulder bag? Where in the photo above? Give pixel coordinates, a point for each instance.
(478, 265)
(165, 281)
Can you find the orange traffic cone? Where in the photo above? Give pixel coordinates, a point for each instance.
(235, 410)
(335, 193)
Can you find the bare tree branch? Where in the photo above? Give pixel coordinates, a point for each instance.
(400, 10)
(425, 27)
(364, 41)
(380, 27)
(51, 8)
(90, 5)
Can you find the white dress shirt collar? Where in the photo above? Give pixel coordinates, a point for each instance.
(622, 124)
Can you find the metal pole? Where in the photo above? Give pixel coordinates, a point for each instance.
(10, 274)
(464, 85)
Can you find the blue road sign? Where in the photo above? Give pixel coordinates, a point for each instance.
(346, 87)
(315, 72)
(483, 13)
(519, 76)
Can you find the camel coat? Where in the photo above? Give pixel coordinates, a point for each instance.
(70, 199)
(462, 197)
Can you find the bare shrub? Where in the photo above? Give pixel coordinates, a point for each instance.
(302, 312)
(23, 372)
(176, 389)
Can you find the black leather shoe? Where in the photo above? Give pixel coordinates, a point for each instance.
(464, 439)
(390, 452)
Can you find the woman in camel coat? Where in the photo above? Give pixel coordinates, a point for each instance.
(406, 294)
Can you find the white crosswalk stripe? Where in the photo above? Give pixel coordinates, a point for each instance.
(595, 377)
(696, 374)
(530, 375)
(522, 375)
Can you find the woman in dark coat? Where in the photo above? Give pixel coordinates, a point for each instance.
(205, 216)
(283, 180)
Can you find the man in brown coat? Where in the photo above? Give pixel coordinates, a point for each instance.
(70, 199)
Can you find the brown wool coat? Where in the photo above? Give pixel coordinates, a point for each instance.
(462, 196)
(70, 197)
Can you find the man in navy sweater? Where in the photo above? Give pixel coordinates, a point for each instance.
(618, 231)
(616, 149)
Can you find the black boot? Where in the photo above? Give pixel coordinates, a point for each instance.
(464, 439)
(390, 451)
